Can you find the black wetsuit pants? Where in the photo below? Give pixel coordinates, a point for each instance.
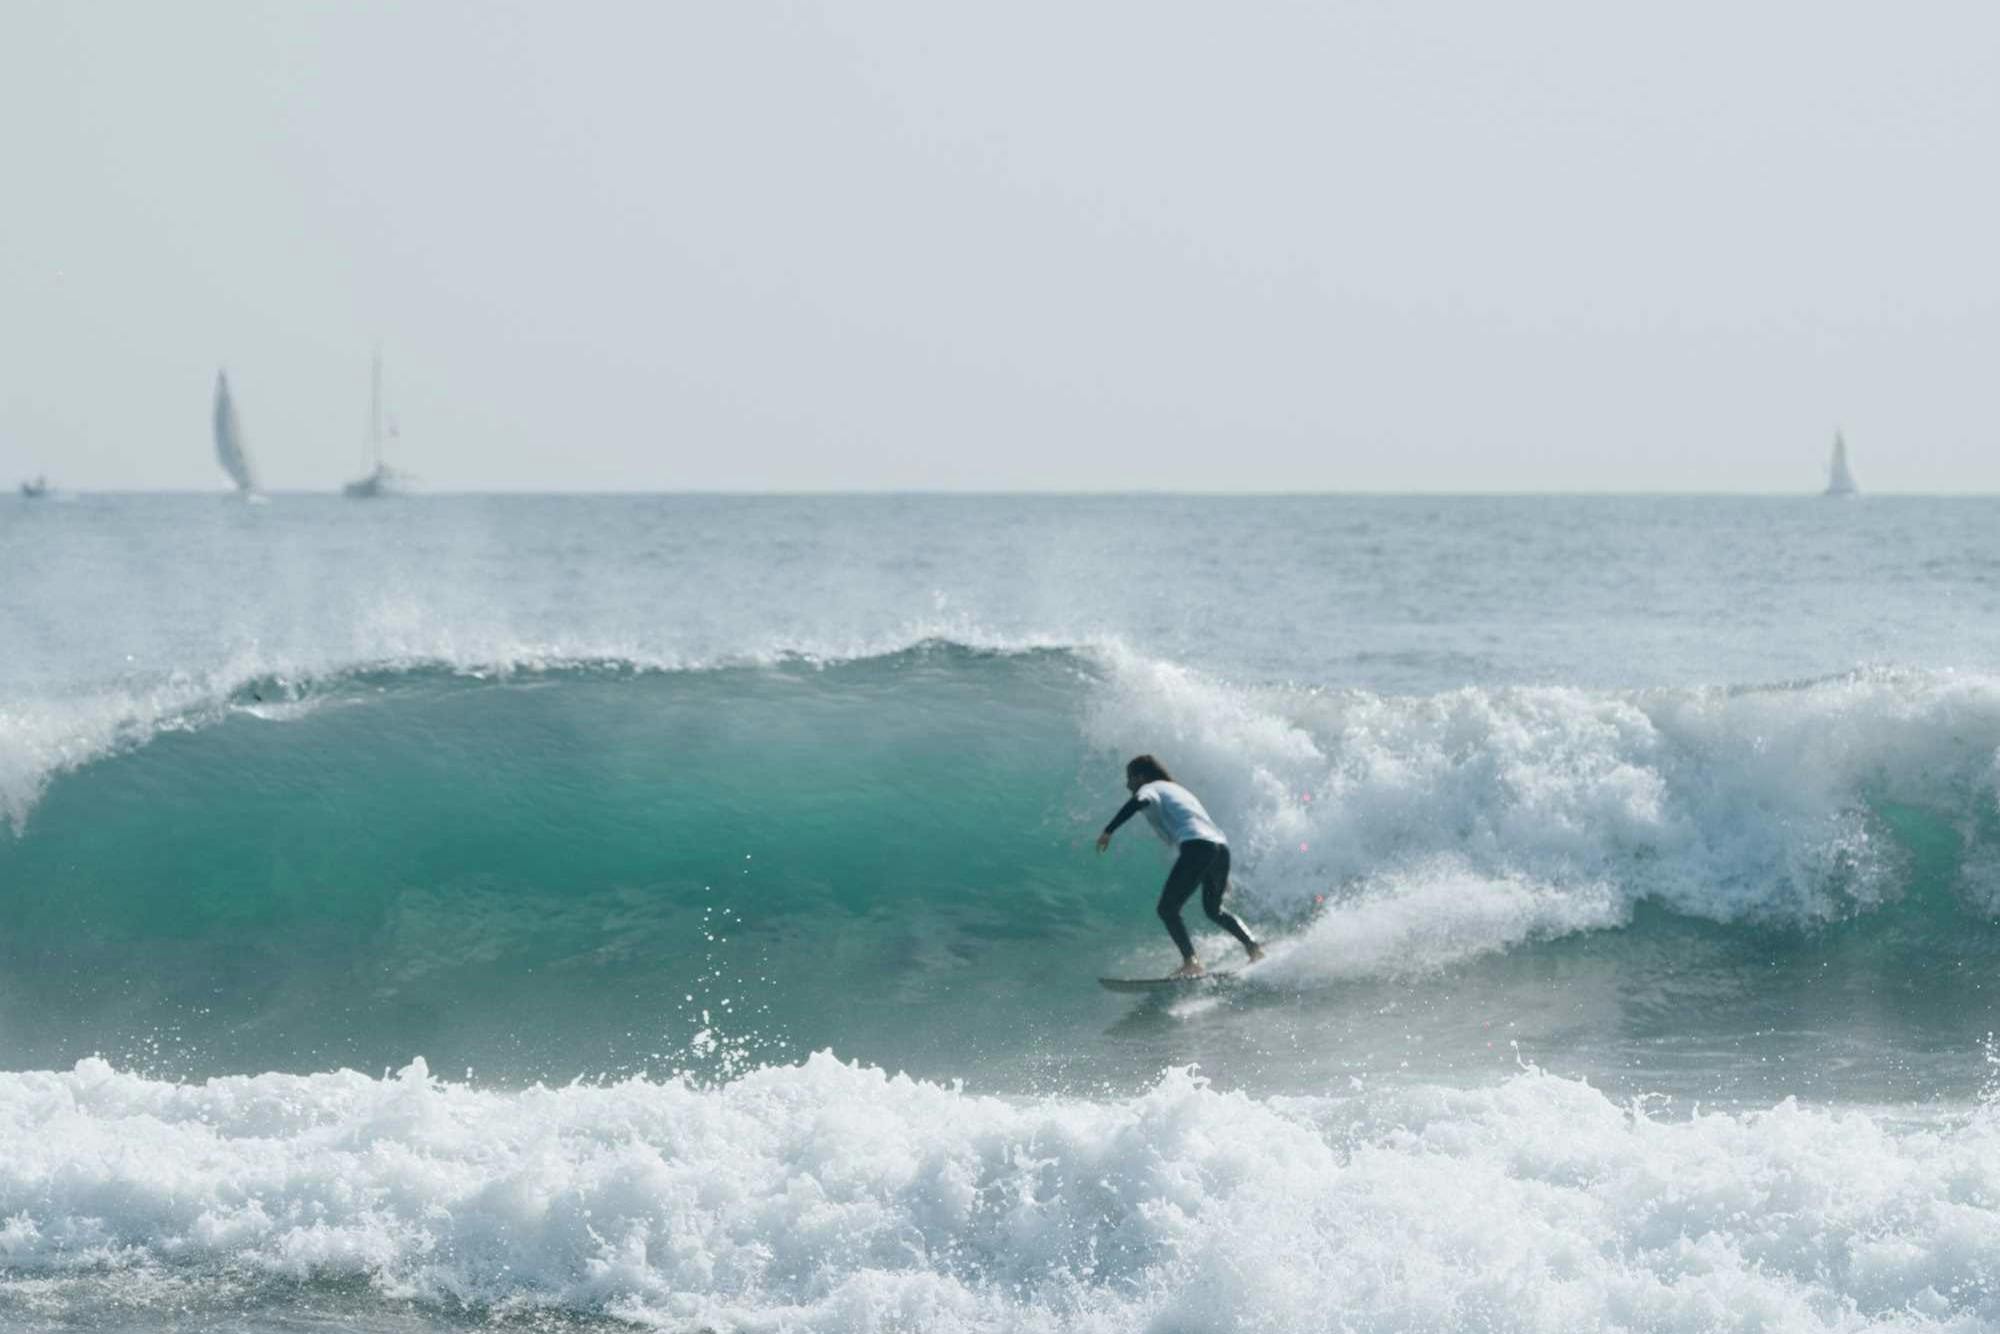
(1203, 864)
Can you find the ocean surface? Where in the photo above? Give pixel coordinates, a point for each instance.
(681, 912)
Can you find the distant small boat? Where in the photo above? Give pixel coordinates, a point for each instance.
(35, 488)
(381, 480)
(229, 451)
(1839, 481)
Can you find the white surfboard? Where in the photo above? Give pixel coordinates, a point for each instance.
(1163, 983)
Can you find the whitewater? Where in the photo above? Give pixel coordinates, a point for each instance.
(681, 912)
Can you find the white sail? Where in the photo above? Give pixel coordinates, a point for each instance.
(229, 451)
(1839, 481)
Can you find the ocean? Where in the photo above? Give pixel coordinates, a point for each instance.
(681, 912)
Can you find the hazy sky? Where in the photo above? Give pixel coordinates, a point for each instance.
(1331, 246)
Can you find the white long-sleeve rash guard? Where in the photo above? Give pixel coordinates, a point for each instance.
(1175, 813)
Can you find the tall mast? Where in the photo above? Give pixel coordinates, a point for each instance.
(375, 407)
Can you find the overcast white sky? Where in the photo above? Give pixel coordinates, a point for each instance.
(1337, 246)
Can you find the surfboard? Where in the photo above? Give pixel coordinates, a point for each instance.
(1163, 983)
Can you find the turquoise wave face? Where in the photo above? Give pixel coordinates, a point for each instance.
(585, 869)
(597, 870)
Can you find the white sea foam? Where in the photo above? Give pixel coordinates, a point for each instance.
(1499, 815)
(831, 1197)
(1435, 916)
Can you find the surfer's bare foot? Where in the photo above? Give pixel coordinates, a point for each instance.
(1256, 953)
(1192, 968)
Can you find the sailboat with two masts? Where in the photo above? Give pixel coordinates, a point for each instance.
(381, 480)
(229, 449)
(1839, 481)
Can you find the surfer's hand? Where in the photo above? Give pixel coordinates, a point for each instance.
(1103, 842)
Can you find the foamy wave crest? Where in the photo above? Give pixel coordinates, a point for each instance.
(43, 737)
(1558, 809)
(833, 1197)
(40, 739)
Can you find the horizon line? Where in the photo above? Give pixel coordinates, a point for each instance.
(1049, 493)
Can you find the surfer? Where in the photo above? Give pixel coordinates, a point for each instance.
(1178, 817)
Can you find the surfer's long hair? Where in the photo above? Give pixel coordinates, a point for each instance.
(1147, 770)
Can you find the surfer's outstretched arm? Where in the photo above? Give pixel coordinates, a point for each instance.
(1125, 812)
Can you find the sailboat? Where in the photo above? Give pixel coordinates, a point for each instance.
(229, 451)
(35, 488)
(1839, 481)
(381, 479)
